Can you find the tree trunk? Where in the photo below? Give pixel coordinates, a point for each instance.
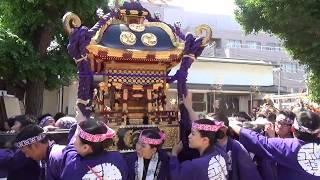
(35, 87)
(34, 97)
(42, 38)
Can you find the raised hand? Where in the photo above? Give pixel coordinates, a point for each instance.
(176, 149)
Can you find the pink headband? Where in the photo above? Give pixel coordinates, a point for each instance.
(30, 141)
(207, 127)
(146, 140)
(96, 137)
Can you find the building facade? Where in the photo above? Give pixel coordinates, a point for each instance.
(231, 45)
(229, 41)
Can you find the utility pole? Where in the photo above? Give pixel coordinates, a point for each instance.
(279, 82)
(216, 88)
(279, 69)
(60, 98)
(279, 87)
(210, 99)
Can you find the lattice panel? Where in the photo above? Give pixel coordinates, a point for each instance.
(137, 77)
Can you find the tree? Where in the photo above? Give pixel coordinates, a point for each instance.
(33, 45)
(296, 23)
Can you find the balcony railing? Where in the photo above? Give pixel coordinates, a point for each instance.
(251, 46)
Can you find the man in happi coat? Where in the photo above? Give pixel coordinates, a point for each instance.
(239, 163)
(85, 155)
(35, 144)
(16, 166)
(149, 162)
(297, 158)
(211, 164)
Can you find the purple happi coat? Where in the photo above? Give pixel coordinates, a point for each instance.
(210, 166)
(16, 166)
(106, 165)
(162, 171)
(239, 163)
(3, 174)
(296, 160)
(266, 167)
(54, 162)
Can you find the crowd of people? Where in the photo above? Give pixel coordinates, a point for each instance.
(275, 145)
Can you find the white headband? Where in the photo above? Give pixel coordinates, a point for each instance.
(301, 128)
(284, 119)
(30, 141)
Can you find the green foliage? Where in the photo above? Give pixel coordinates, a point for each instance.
(16, 57)
(295, 22)
(314, 85)
(22, 25)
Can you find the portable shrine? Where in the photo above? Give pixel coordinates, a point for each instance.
(123, 63)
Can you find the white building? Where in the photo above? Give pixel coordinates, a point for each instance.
(235, 82)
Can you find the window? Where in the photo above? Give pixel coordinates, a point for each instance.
(217, 42)
(290, 67)
(297, 90)
(198, 102)
(272, 47)
(197, 97)
(233, 43)
(253, 45)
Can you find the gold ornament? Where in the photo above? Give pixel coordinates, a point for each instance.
(137, 95)
(103, 86)
(172, 135)
(128, 38)
(128, 138)
(208, 31)
(149, 39)
(137, 27)
(167, 86)
(75, 22)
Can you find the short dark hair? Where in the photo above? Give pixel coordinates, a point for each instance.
(271, 116)
(243, 116)
(288, 114)
(30, 131)
(23, 119)
(255, 127)
(93, 126)
(311, 121)
(43, 116)
(221, 117)
(10, 122)
(58, 116)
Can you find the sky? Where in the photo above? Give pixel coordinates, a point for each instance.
(225, 7)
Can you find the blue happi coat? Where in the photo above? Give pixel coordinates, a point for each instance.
(211, 165)
(16, 166)
(239, 163)
(295, 159)
(163, 168)
(106, 165)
